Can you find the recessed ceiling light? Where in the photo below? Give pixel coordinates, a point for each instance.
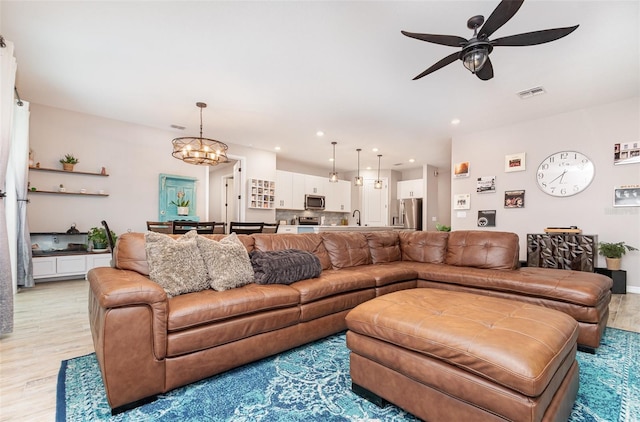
(375, 150)
(330, 159)
(319, 133)
(368, 167)
(455, 121)
(411, 160)
(277, 148)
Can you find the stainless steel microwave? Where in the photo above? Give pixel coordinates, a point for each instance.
(314, 202)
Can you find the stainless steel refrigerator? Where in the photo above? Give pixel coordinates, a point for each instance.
(411, 213)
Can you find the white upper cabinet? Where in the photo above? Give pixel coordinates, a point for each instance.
(410, 189)
(314, 185)
(289, 190)
(338, 196)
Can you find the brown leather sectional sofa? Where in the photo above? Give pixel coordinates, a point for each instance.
(147, 343)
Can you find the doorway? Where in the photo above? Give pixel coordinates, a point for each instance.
(223, 193)
(375, 203)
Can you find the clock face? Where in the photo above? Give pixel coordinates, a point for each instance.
(565, 173)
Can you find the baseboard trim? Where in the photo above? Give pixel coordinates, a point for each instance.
(633, 289)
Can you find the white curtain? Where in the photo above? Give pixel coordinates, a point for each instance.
(18, 171)
(7, 83)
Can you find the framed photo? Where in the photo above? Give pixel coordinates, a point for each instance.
(514, 162)
(486, 184)
(461, 169)
(626, 196)
(487, 218)
(626, 153)
(461, 201)
(514, 199)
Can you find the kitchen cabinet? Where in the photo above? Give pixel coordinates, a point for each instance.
(314, 185)
(410, 189)
(338, 196)
(289, 190)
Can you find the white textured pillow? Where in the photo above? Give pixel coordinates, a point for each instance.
(176, 265)
(227, 262)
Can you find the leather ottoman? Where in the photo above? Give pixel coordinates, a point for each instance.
(452, 356)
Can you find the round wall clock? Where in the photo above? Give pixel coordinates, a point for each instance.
(565, 173)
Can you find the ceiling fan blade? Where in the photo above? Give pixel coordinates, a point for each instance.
(450, 40)
(534, 38)
(442, 63)
(486, 72)
(501, 15)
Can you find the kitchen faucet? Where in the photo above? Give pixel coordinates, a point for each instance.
(354, 214)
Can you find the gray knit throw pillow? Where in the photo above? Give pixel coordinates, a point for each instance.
(176, 265)
(227, 262)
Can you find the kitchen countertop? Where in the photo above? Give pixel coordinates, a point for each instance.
(318, 229)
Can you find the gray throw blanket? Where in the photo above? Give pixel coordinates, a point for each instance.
(284, 267)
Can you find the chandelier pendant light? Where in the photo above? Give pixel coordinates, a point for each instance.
(333, 176)
(378, 183)
(358, 181)
(200, 151)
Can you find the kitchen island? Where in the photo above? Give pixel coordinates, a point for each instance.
(293, 229)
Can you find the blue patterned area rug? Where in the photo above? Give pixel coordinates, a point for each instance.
(312, 383)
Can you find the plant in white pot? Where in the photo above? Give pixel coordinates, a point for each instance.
(613, 253)
(98, 237)
(182, 204)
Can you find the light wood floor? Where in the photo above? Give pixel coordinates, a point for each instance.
(51, 324)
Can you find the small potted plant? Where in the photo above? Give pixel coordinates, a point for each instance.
(68, 162)
(182, 204)
(613, 253)
(442, 228)
(98, 237)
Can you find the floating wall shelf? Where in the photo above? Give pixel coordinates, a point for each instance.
(68, 172)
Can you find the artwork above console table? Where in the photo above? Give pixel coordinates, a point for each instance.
(567, 251)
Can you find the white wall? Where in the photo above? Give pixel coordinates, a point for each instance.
(133, 155)
(592, 131)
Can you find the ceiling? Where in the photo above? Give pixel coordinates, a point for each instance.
(275, 73)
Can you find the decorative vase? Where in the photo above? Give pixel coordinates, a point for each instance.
(613, 263)
(183, 210)
(67, 166)
(99, 245)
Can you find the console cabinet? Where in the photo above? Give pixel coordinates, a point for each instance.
(567, 251)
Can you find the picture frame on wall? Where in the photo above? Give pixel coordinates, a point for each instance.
(487, 218)
(626, 196)
(461, 169)
(515, 162)
(462, 201)
(514, 199)
(486, 184)
(626, 153)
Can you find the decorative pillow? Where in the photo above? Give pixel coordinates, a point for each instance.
(227, 262)
(285, 266)
(176, 265)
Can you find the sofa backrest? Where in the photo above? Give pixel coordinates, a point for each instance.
(384, 246)
(310, 242)
(346, 249)
(483, 249)
(422, 246)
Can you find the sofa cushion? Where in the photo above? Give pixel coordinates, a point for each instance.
(284, 267)
(483, 249)
(176, 264)
(310, 242)
(384, 246)
(346, 249)
(423, 246)
(227, 262)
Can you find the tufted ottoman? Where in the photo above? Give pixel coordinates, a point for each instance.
(452, 356)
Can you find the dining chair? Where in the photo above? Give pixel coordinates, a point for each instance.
(202, 227)
(219, 228)
(270, 227)
(245, 227)
(160, 226)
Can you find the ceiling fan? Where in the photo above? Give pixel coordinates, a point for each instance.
(475, 51)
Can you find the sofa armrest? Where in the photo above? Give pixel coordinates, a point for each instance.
(113, 289)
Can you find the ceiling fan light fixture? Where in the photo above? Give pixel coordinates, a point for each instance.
(200, 151)
(475, 59)
(333, 176)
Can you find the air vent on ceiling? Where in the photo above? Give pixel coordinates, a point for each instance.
(398, 164)
(532, 92)
(178, 127)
